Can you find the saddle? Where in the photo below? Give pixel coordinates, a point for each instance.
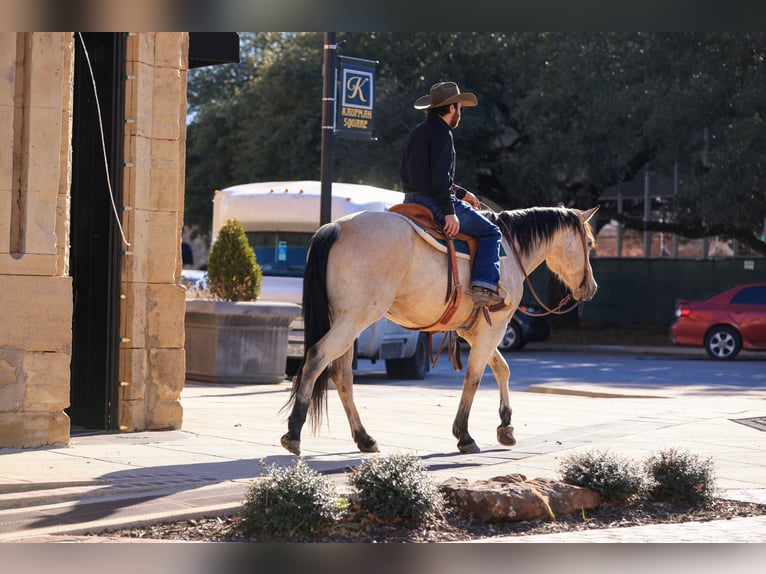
(423, 217)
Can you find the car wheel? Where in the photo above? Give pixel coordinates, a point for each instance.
(394, 368)
(513, 340)
(723, 343)
(415, 367)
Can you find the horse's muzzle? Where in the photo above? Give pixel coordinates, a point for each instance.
(585, 292)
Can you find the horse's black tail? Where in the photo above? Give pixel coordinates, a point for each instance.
(316, 313)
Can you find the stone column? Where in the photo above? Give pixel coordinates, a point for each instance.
(35, 177)
(152, 361)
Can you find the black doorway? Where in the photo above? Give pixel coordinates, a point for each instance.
(95, 239)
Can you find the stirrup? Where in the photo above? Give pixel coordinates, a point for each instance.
(482, 296)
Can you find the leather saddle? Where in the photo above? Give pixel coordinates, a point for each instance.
(423, 217)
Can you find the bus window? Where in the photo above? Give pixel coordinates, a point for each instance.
(279, 253)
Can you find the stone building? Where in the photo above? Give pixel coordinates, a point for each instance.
(92, 150)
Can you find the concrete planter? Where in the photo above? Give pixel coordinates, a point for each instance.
(242, 342)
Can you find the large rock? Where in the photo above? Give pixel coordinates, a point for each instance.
(565, 498)
(514, 498)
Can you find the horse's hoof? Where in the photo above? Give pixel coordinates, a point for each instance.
(469, 448)
(294, 446)
(505, 435)
(373, 447)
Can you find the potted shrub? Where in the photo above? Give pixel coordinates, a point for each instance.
(230, 336)
(233, 274)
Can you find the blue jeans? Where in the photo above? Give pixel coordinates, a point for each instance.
(486, 264)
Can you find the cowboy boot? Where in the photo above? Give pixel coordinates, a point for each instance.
(483, 296)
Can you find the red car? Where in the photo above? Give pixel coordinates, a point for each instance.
(725, 323)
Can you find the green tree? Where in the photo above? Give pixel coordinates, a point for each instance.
(561, 117)
(217, 96)
(210, 85)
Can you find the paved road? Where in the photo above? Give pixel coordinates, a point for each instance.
(642, 373)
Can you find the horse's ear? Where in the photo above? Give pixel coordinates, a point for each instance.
(586, 215)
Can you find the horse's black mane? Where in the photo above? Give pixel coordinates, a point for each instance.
(530, 226)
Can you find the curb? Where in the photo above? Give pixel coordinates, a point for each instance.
(561, 389)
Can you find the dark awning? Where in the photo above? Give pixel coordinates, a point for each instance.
(213, 48)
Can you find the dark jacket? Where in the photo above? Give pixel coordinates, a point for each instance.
(428, 164)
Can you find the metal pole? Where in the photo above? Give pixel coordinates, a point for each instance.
(328, 125)
(675, 196)
(619, 225)
(647, 216)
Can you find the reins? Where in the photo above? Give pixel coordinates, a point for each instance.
(454, 291)
(557, 310)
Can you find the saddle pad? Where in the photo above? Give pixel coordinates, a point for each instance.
(461, 247)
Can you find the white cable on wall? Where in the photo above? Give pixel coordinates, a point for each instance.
(103, 141)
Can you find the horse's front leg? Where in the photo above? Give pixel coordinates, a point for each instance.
(465, 442)
(343, 376)
(502, 374)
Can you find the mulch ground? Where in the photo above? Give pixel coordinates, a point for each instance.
(452, 528)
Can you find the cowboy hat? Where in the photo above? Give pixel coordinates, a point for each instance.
(443, 94)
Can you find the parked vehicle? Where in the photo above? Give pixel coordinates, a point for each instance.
(279, 218)
(523, 329)
(725, 323)
(194, 278)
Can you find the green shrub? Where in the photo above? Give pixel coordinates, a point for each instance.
(290, 500)
(233, 274)
(397, 486)
(681, 477)
(612, 476)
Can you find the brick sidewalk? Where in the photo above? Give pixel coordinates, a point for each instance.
(752, 529)
(106, 481)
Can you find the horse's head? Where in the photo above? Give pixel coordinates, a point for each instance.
(571, 262)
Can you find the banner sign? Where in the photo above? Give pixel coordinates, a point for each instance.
(357, 98)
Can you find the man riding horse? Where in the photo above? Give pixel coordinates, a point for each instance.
(428, 172)
(344, 290)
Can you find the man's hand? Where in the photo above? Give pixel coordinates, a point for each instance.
(451, 225)
(472, 200)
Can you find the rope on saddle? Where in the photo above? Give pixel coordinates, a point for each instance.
(454, 290)
(453, 349)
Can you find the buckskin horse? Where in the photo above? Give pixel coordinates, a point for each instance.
(370, 264)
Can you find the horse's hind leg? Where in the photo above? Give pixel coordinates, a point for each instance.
(305, 396)
(336, 348)
(291, 440)
(344, 383)
(502, 374)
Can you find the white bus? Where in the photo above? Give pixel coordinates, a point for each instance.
(279, 218)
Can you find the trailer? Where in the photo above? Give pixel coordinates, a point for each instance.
(279, 218)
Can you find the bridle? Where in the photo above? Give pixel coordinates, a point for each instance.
(558, 309)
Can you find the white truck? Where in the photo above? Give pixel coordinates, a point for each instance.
(279, 218)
